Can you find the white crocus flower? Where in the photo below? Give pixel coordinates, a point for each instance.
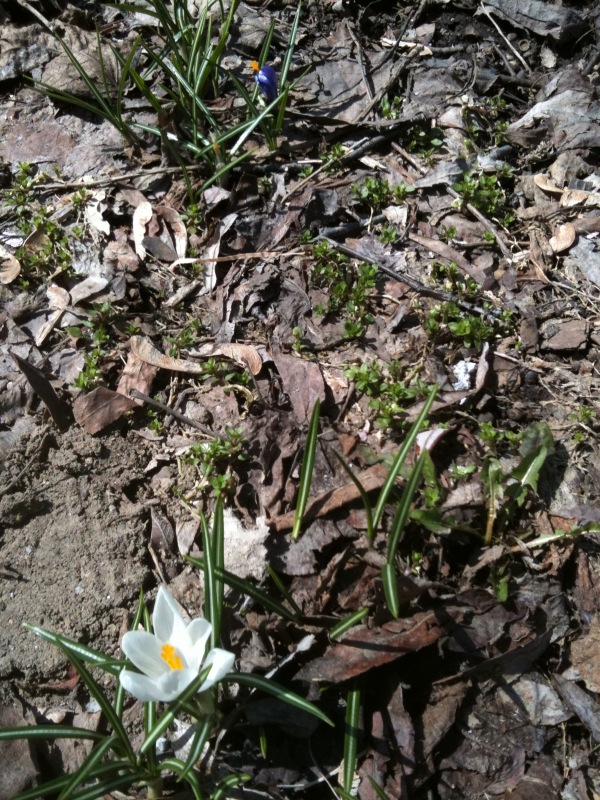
(171, 657)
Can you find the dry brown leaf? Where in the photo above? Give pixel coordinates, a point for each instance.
(564, 238)
(141, 217)
(100, 408)
(212, 251)
(138, 374)
(177, 226)
(244, 354)
(10, 266)
(146, 351)
(326, 502)
(59, 300)
(546, 184)
(362, 649)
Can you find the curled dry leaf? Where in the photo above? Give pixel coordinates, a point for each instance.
(141, 217)
(94, 212)
(10, 266)
(564, 238)
(243, 354)
(177, 226)
(546, 184)
(146, 351)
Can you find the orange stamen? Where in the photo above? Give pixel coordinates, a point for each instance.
(254, 66)
(169, 654)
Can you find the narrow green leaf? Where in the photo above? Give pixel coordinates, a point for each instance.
(177, 766)
(201, 736)
(403, 510)
(308, 463)
(48, 788)
(48, 732)
(96, 691)
(218, 544)
(269, 687)
(347, 623)
(378, 790)
(390, 589)
(247, 588)
(400, 458)
(87, 769)
(55, 786)
(230, 782)
(363, 496)
(279, 583)
(82, 652)
(210, 579)
(101, 789)
(291, 46)
(351, 734)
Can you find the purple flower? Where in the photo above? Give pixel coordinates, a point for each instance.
(266, 78)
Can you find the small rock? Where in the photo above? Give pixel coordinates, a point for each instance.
(564, 334)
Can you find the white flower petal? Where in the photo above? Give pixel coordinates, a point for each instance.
(221, 661)
(172, 684)
(167, 621)
(168, 687)
(145, 689)
(143, 650)
(198, 634)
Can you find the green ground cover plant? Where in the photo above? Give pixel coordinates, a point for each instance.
(179, 78)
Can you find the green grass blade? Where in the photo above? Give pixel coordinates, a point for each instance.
(216, 176)
(112, 665)
(285, 68)
(218, 543)
(101, 789)
(279, 583)
(291, 46)
(252, 124)
(207, 566)
(390, 589)
(403, 510)
(49, 788)
(48, 732)
(308, 463)
(201, 736)
(378, 790)
(177, 766)
(87, 769)
(363, 496)
(400, 458)
(230, 782)
(347, 623)
(266, 45)
(95, 690)
(247, 588)
(269, 687)
(351, 734)
(54, 786)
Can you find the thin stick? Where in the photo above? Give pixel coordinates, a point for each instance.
(172, 412)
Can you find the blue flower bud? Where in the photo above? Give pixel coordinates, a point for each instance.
(266, 78)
